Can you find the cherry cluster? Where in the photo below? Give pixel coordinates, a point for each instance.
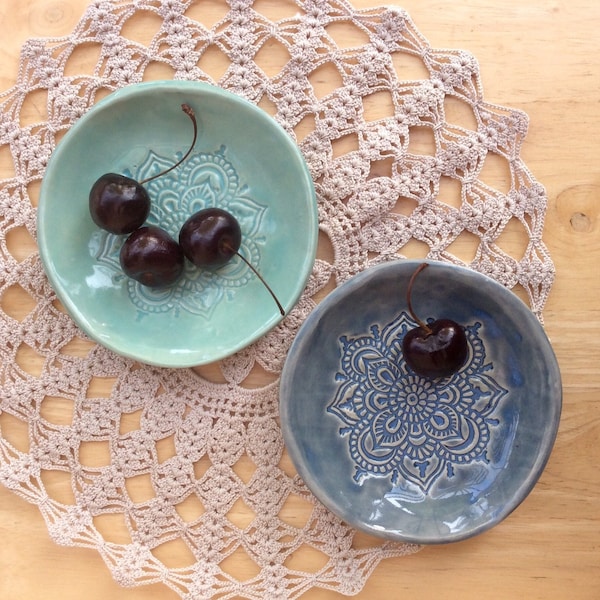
(208, 239)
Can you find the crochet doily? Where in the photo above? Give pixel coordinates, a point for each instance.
(191, 463)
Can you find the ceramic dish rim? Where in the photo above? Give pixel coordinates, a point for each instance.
(193, 87)
(526, 485)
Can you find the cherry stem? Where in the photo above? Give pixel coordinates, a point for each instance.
(189, 111)
(420, 323)
(253, 269)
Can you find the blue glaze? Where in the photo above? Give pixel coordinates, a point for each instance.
(407, 458)
(403, 426)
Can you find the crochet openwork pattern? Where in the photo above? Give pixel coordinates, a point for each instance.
(399, 141)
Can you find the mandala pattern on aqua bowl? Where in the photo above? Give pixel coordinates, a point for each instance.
(206, 179)
(406, 427)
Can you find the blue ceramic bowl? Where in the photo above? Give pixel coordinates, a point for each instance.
(408, 458)
(243, 162)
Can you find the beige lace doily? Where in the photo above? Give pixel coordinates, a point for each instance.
(399, 141)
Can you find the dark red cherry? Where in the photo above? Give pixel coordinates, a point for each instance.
(118, 203)
(152, 257)
(436, 349)
(121, 204)
(210, 237)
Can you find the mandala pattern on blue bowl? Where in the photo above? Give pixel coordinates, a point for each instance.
(206, 179)
(403, 426)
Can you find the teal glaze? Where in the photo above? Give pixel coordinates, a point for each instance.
(242, 159)
(410, 459)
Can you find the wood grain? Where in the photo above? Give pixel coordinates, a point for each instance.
(537, 55)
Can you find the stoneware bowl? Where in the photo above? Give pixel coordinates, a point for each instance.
(243, 162)
(408, 458)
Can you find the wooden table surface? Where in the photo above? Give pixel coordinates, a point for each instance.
(542, 56)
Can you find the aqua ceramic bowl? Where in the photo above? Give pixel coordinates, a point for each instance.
(408, 458)
(243, 162)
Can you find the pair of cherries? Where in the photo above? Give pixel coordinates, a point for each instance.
(208, 239)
